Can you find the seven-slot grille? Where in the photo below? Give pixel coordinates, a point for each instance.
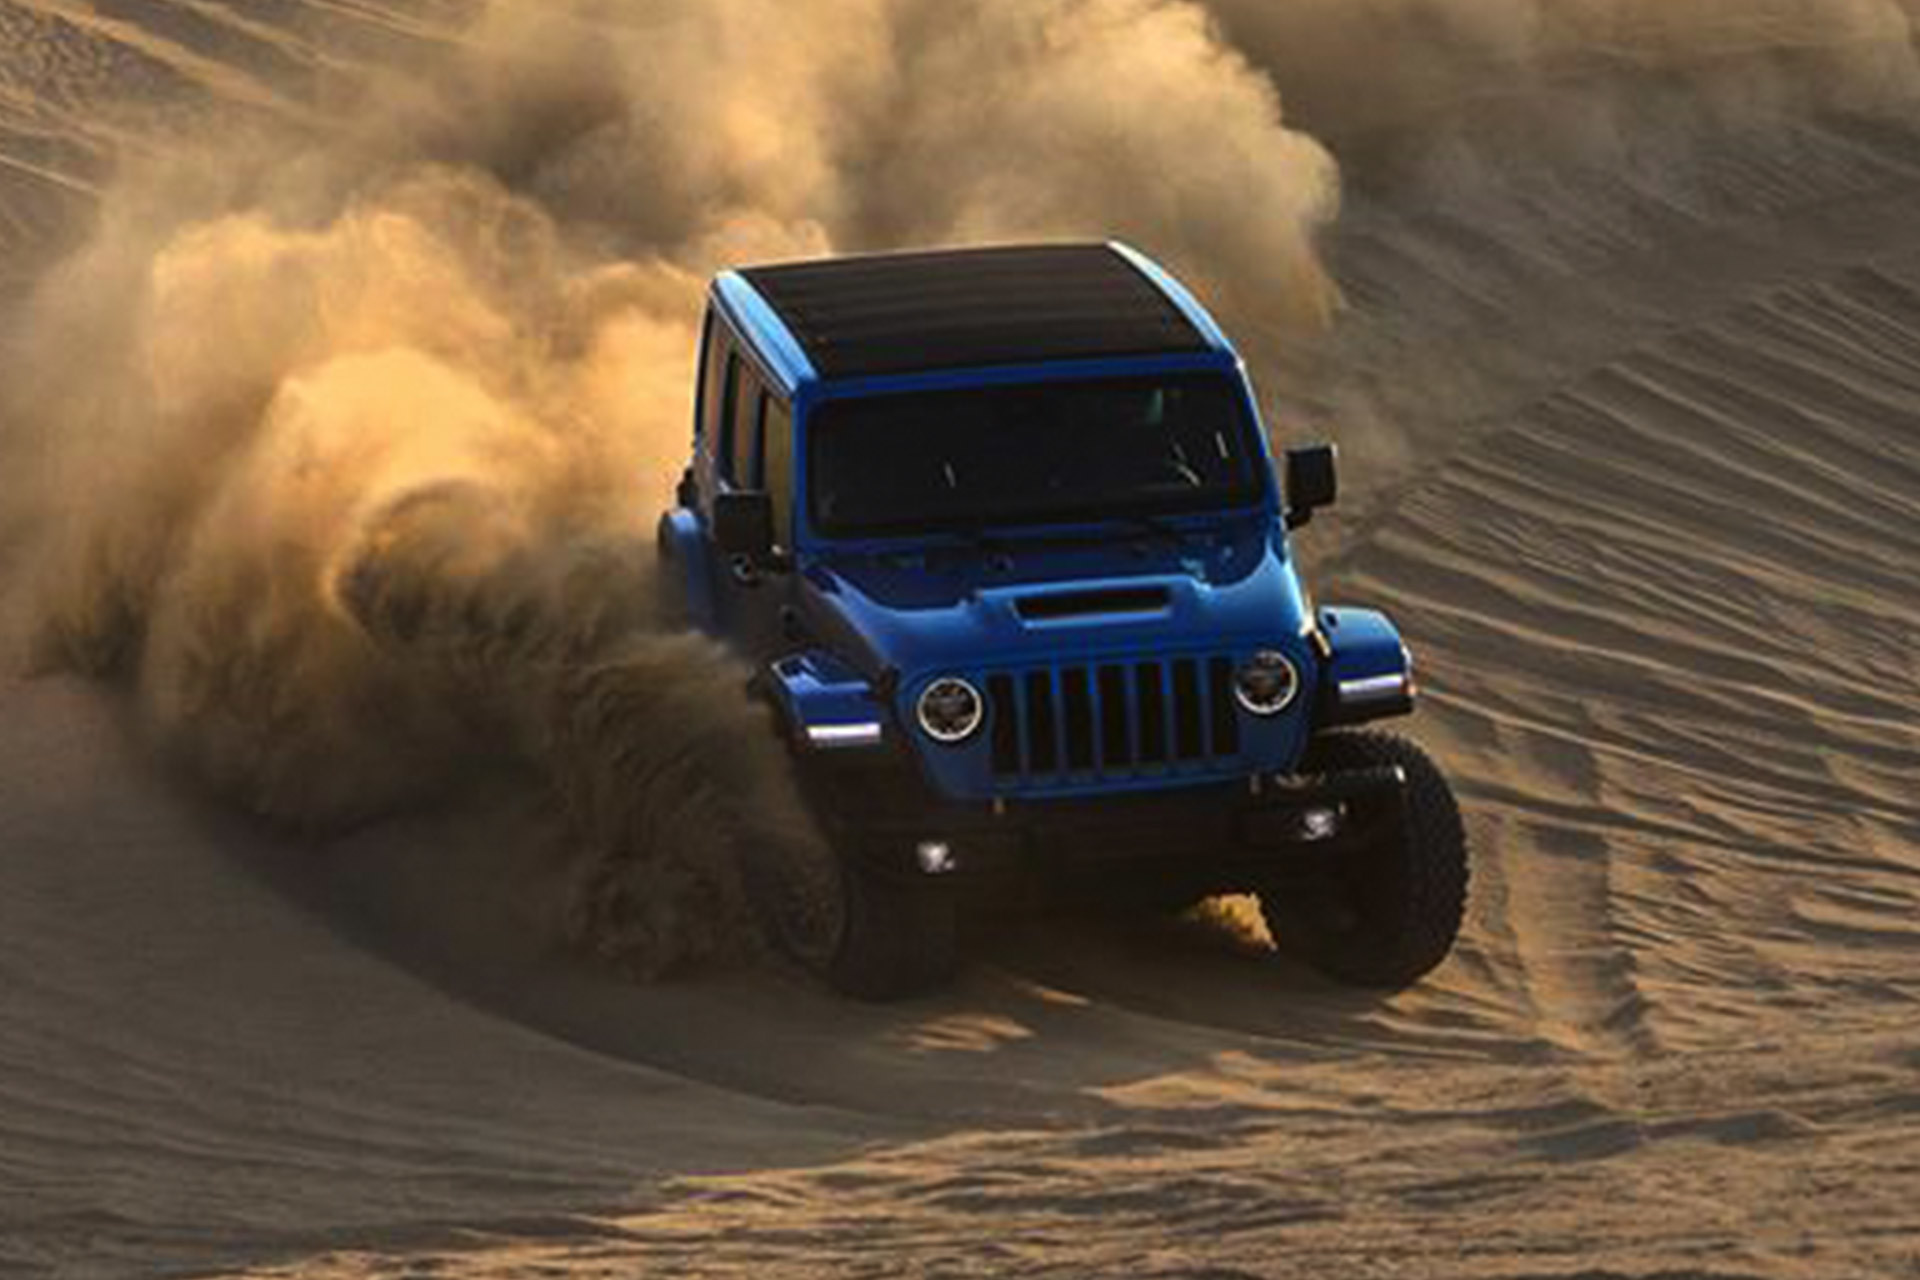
(1112, 719)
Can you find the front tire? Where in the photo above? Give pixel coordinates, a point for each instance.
(1390, 913)
(868, 934)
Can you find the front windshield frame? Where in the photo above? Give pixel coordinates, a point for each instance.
(1253, 488)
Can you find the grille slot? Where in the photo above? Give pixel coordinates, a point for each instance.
(1186, 709)
(1152, 713)
(1085, 722)
(1043, 743)
(1116, 725)
(1226, 721)
(1079, 717)
(1004, 707)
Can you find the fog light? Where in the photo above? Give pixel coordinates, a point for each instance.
(1319, 824)
(935, 857)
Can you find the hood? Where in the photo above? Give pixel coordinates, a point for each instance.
(965, 606)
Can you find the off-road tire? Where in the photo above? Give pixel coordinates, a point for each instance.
(868, 934)
(1389, 914)
(902, 940)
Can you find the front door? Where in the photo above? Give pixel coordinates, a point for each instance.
(755, 452)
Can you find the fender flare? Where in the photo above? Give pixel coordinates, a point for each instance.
(685, 567)
(1366, 671)
(823, 704)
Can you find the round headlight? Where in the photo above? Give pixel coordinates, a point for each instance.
(1266, 683)
(950, 710)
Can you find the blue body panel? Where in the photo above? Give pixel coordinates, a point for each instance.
(1368, 673)
(1365, 644)
(765, 335)
(908, 618)
(869, 623)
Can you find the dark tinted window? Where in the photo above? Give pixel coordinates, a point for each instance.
(776, 466)
(743, 401)
(713, 380)
(1033, 453)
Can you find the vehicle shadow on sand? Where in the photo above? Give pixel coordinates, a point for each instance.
(1053, 1010)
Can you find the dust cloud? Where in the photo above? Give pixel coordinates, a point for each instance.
(1479, 105)
(340, 450)
(339, 447)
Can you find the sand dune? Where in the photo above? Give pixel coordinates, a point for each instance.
(1634, 431)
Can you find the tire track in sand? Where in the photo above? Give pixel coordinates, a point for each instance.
(1693, 750)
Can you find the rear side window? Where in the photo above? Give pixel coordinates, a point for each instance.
(713, 381)
(776, 466)
(744, 426)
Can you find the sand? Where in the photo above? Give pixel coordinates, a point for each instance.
(1634, 447)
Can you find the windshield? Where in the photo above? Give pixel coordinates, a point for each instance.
(1035, 453)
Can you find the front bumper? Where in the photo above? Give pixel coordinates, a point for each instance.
(1211, 839)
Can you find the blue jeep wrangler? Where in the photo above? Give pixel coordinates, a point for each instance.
(1000, 532)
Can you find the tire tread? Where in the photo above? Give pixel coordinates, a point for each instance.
(1426, 877)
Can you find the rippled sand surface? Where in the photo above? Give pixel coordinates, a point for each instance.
(1634, 451)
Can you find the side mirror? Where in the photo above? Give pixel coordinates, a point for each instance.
(743, 523)
(1313, 482)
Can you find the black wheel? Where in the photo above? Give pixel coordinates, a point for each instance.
(1391, 912)
(868, 934)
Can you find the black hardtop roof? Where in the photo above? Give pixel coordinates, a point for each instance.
(972, 308)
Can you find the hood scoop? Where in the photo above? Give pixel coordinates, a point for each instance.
(1116, 603)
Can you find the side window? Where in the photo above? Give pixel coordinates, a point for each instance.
(743, 408)
(713, 381)
(721, 441)
(776, 466)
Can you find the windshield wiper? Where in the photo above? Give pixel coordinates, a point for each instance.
(987, 544)
(1158, 526)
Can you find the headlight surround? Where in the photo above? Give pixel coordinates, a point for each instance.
(1267, 683)
(950, 710)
